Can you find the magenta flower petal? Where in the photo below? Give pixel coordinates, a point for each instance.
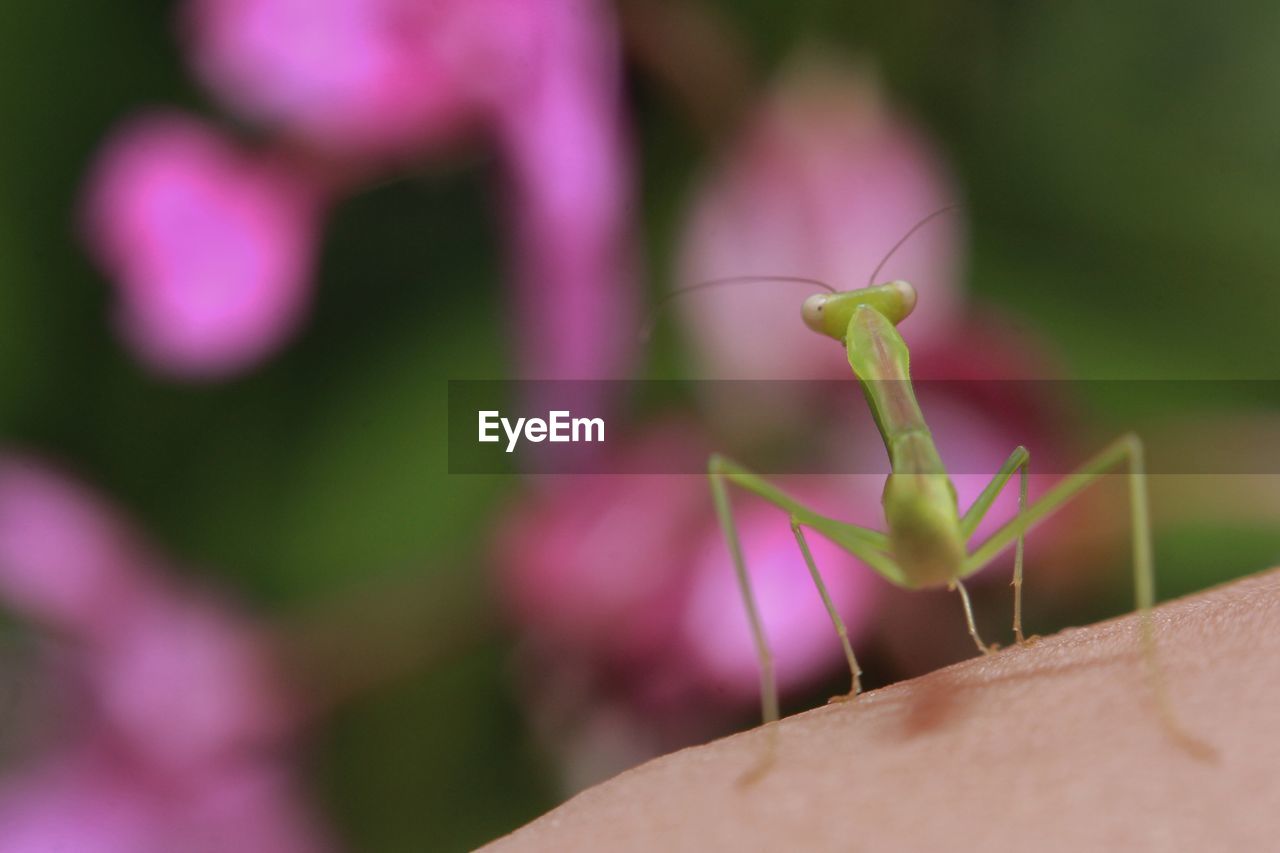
(560, 126)
(178, 675)
(823, 182)
(211, 250)
(352, 76)
(394, 77)
(186, 684)
(74, 802)
(253, 808)
(590, 565)
(66, 559)
(89, 799)
(177, 716)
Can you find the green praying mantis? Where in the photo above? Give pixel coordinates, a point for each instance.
(928, 538)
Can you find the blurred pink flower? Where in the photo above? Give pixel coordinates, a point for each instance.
(560, 126)
(211, 249)
(189, 684)
(822, 183)
(66, 560)
(89, 799)
(377, 78)
(354, 76)
(178, 720)
(589, 562)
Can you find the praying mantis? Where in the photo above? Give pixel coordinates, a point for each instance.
(927, 541)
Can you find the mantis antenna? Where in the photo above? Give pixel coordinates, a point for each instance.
(905, 237)
(647, 329)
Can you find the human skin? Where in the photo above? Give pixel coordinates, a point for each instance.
(1054, 745)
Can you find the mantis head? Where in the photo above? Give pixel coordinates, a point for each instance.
(829, 313)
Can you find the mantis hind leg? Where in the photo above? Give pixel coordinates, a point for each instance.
(860, 542)
(1017, 555)
(1127, 448)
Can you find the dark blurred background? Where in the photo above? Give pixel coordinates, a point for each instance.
(1120, 171)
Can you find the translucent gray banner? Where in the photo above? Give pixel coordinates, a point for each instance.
(1229, 427)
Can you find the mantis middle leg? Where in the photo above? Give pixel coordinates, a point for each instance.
(1020, 461)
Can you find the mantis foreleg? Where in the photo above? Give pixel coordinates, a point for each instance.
(831, 608)
(867, 545)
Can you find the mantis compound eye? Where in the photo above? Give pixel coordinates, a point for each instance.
(811, 311)
(908, 294)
